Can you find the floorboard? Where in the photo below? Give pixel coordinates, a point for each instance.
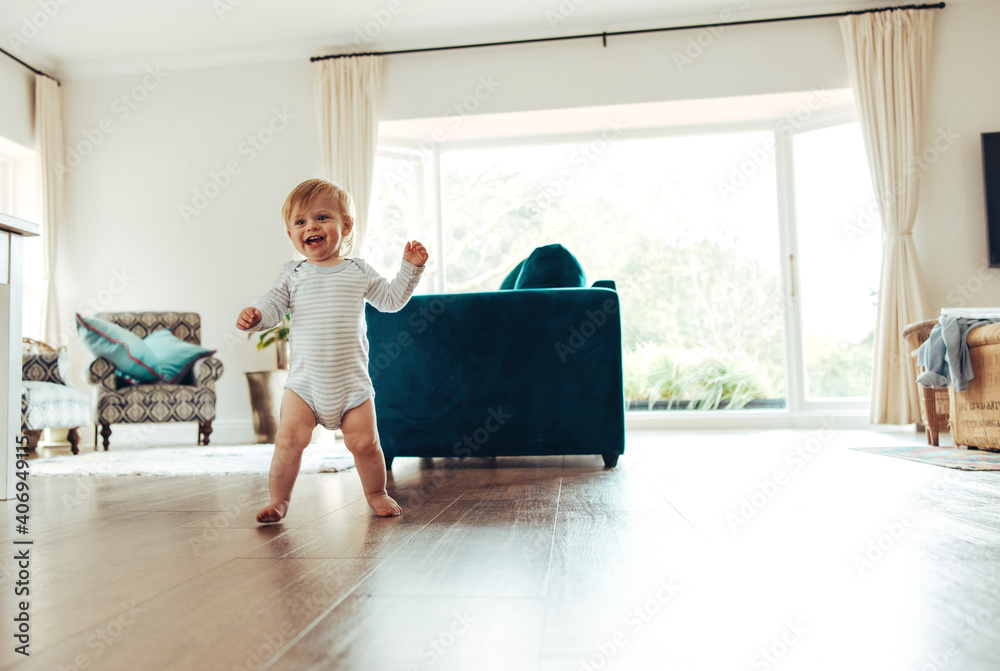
(701, 550)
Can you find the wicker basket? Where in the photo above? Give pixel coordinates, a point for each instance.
(976, 412)
(935, 404)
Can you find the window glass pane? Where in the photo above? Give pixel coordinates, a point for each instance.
(398, 215)
(840, 252)
(19, 198)
(686, 227)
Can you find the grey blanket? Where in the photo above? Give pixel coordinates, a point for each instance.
(945, 353)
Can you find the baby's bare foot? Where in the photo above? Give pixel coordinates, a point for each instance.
(384, 505)
(272, 513)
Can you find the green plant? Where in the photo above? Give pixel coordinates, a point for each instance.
(651, 374)
(278, 334)
(715, 379)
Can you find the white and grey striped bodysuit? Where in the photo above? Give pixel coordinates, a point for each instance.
(329, 342)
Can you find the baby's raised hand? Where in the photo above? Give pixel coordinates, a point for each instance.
(415, 253)
(247, 318)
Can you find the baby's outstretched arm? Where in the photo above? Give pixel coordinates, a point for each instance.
(248, 318)
(391, 296)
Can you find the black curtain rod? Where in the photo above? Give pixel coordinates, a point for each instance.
(604, 36)
(35, 70)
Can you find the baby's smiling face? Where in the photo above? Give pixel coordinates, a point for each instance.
(317, 230)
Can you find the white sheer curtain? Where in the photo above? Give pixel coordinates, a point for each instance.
(348, 101)
(887, 59)
(49, 147)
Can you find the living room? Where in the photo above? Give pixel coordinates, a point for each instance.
(185, 130)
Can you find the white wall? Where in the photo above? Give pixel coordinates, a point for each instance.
(125, 245)
(122, 205)
(17, 109)
(963, 101)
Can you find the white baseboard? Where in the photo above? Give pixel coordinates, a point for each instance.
(175, 434)
(171, 433)
(694, 420)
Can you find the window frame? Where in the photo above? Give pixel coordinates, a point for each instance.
(798, 411)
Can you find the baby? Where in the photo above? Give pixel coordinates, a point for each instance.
(328, 382)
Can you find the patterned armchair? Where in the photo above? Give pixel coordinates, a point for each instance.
(47, 400)
(193, 400)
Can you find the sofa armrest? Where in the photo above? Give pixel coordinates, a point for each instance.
(102, 373)
(984, 335)
(45, 367)
(207, 371)
(605, 284)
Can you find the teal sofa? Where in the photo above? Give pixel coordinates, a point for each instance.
(502, 373)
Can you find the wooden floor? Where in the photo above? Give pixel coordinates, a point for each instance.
(721, 550)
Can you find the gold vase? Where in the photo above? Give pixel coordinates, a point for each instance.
(283, 350)
(266, 389)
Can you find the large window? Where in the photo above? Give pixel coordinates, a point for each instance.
(731, 277)
(695, 258)
(19, 198)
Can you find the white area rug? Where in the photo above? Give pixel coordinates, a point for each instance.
(211, 460)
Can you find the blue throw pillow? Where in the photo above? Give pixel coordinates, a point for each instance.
(174, 357)
(550, 267)
(129, 354)
(511, 280)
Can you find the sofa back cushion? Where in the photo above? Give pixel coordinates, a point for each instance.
(550, 267)
(511, 280)
(174, 357)
(125, 350)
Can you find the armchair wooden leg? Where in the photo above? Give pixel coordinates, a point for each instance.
(204, 431)
(106, 434)
(74, 440)
(33, 435)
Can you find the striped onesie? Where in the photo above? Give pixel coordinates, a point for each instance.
(329, 342)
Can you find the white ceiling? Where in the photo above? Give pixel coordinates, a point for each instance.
(76, 35)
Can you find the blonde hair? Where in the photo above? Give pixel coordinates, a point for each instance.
(311, 189)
